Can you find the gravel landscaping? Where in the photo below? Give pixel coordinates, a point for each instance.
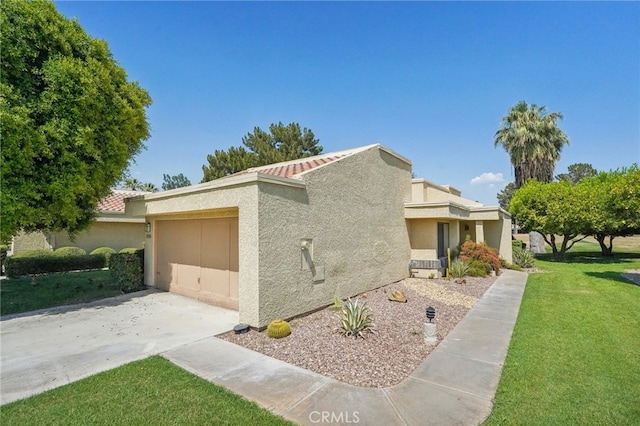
(382, 359)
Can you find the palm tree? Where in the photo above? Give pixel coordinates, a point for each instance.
(533, 140)
(132, 183)
(148, 187)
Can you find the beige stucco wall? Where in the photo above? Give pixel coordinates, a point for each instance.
(117, 235)
(352, 210)
(30, 241)
(423, 237)
(424, 191)
(498, 235)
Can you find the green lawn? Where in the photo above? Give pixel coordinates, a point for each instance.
(45, 291)
(574, 359)
(148, 392)
(575, 353)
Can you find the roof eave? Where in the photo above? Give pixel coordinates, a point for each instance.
(222, 183)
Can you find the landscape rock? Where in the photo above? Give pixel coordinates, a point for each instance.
(536, 242)
(398, 296)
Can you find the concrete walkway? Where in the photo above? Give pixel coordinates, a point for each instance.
(455, 385)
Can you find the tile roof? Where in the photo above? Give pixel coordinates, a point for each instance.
(293, 168)
(289, 169)
(114, 202)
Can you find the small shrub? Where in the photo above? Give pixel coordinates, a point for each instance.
(481, 252)
(355, 319)
(69, 251)
(103, 250)
(32, 253)
(512, 266)
(128, 270)
(518, 245)
(278, 329)
(478, 268)
(524, 258)
(459, 268)
(337, 303)
(106, 252)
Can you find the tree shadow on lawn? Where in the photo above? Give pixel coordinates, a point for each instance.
(593, 257)
(617, 276)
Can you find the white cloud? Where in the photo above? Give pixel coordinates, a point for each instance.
(490, 178)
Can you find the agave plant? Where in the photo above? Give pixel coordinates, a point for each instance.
(524, 258)
(355, 319)
(459, 268)
(337, 304)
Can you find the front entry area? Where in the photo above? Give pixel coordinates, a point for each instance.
(198, 258)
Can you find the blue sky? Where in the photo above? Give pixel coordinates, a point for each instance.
(430, 80)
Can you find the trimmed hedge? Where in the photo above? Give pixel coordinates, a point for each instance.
(33, 253)
(128, 269)
(69, 251)
(129, 250)
(16, 266)
(104, 251)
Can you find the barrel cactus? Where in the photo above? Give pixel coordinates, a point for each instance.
(278, 329)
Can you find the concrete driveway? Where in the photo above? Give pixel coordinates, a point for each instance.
(46, 349)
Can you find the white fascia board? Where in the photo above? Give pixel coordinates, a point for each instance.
(470, 209)
(436, 204)
(277, 180)
(431, 184)
(394, 154)
(227, 182)
(112, 219)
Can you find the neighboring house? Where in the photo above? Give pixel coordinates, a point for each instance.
(438, 218)
(281, 240)
(110, 229)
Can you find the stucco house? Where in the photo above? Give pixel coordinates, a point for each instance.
(112, 228)
(438, 218)
(284, 239)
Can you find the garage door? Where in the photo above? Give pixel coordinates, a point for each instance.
(199, 259)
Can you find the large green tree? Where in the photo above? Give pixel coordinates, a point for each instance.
(551, 209)
(281, 143)
(533, 141)
(605, 206)
(612, 200)
(504, 196)
(577, 172)
(70, 120)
